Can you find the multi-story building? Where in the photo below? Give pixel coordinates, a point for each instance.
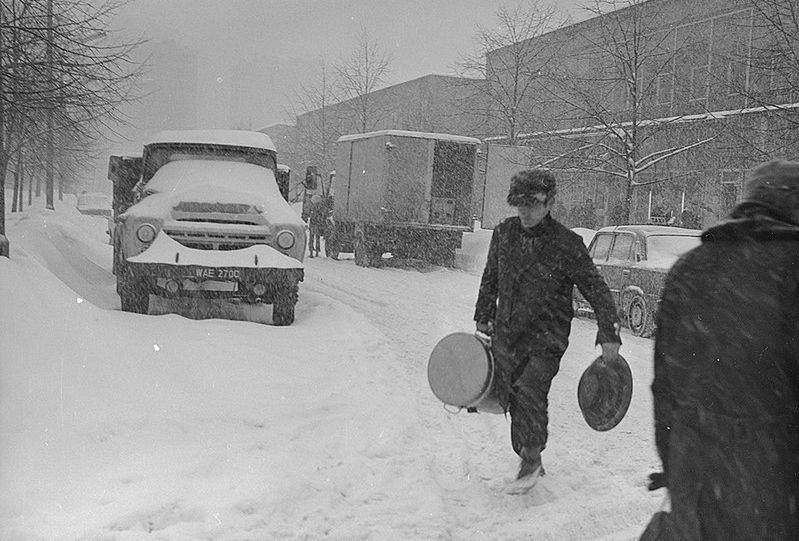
(666, 103)
(432, 103)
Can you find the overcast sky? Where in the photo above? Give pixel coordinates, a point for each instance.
(424, 36)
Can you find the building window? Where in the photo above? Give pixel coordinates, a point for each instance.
(736, 69)
(665, 88)
(698, 56)
(697, 86)
(780, 84)
(730, 187)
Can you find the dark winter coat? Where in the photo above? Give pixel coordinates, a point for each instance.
(318, 216)
(526, 290)
(726, 386)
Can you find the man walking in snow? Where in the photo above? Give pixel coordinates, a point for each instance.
(525, 302)
(726, 385)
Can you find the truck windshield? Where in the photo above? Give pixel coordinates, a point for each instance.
(156, 156)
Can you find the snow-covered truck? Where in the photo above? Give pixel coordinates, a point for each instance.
(404, 192)
(201, 214)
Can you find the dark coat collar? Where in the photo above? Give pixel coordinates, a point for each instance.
(758, 226)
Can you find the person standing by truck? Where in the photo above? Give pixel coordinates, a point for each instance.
(317, 220)
(525, 303)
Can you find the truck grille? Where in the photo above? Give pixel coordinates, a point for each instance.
(207, 240)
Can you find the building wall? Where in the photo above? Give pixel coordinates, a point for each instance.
(433, 103)
(709, 44)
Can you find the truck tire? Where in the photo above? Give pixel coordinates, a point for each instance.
(283, 305)
(366, 254)
(443, 256)
(332, 248)
(132, 297)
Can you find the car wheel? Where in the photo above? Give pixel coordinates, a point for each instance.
(639, 317)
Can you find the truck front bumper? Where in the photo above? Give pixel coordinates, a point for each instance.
(254, 274)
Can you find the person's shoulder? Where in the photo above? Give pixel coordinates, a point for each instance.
(690, 264)
(509, 223)
(565, 235)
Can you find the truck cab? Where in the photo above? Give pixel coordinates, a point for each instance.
(202, 214)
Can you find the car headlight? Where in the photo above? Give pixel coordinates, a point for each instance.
(146, 233)
(285, 240)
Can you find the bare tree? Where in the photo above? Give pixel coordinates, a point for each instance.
(768, 52)
(505, 72)
(611, 93)
(318, 126)
(59, 73)
(775, 53)
(363, 72)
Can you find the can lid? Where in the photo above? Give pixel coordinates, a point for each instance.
(604, 393)
(459, 369)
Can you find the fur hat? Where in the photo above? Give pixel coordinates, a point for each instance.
(525, 185)
(775, 186)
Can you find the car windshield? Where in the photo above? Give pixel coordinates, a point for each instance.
(668, 248)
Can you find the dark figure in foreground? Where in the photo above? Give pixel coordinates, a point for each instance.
(726, 386)
(317, 220)
(525, 301)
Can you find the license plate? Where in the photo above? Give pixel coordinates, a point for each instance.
(211, 273)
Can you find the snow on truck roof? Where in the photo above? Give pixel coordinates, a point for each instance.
(416, 134)
(235, 138)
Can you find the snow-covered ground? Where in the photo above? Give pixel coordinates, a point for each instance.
(122, 427)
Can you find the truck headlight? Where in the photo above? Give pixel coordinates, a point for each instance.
(285, 240)
(146, 233)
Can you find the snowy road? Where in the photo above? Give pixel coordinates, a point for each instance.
(590, 475)
(124, 427)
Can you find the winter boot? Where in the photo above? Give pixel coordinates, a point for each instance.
(530, 470)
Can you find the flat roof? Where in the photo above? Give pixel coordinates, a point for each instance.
(654, 229)
(415, 134)
(236, 138)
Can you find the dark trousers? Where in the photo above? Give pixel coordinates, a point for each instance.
(525, 378)
(528, 410)
(316, 240)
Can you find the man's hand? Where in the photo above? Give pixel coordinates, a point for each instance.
(657, 480)
(485, 327)
(610, 351)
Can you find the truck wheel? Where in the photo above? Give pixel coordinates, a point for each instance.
(639, 317)
(332, 248)
(443, 256)
(283, 306)
(362, 255)
(133, 298)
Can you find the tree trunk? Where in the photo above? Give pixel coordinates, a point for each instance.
(21, 169)
(3, 163)
(628, 198)
(50, 112)
(16, 193)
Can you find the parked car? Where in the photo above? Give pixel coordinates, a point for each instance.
(634, 260)
(94, 204)
(585, 233)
